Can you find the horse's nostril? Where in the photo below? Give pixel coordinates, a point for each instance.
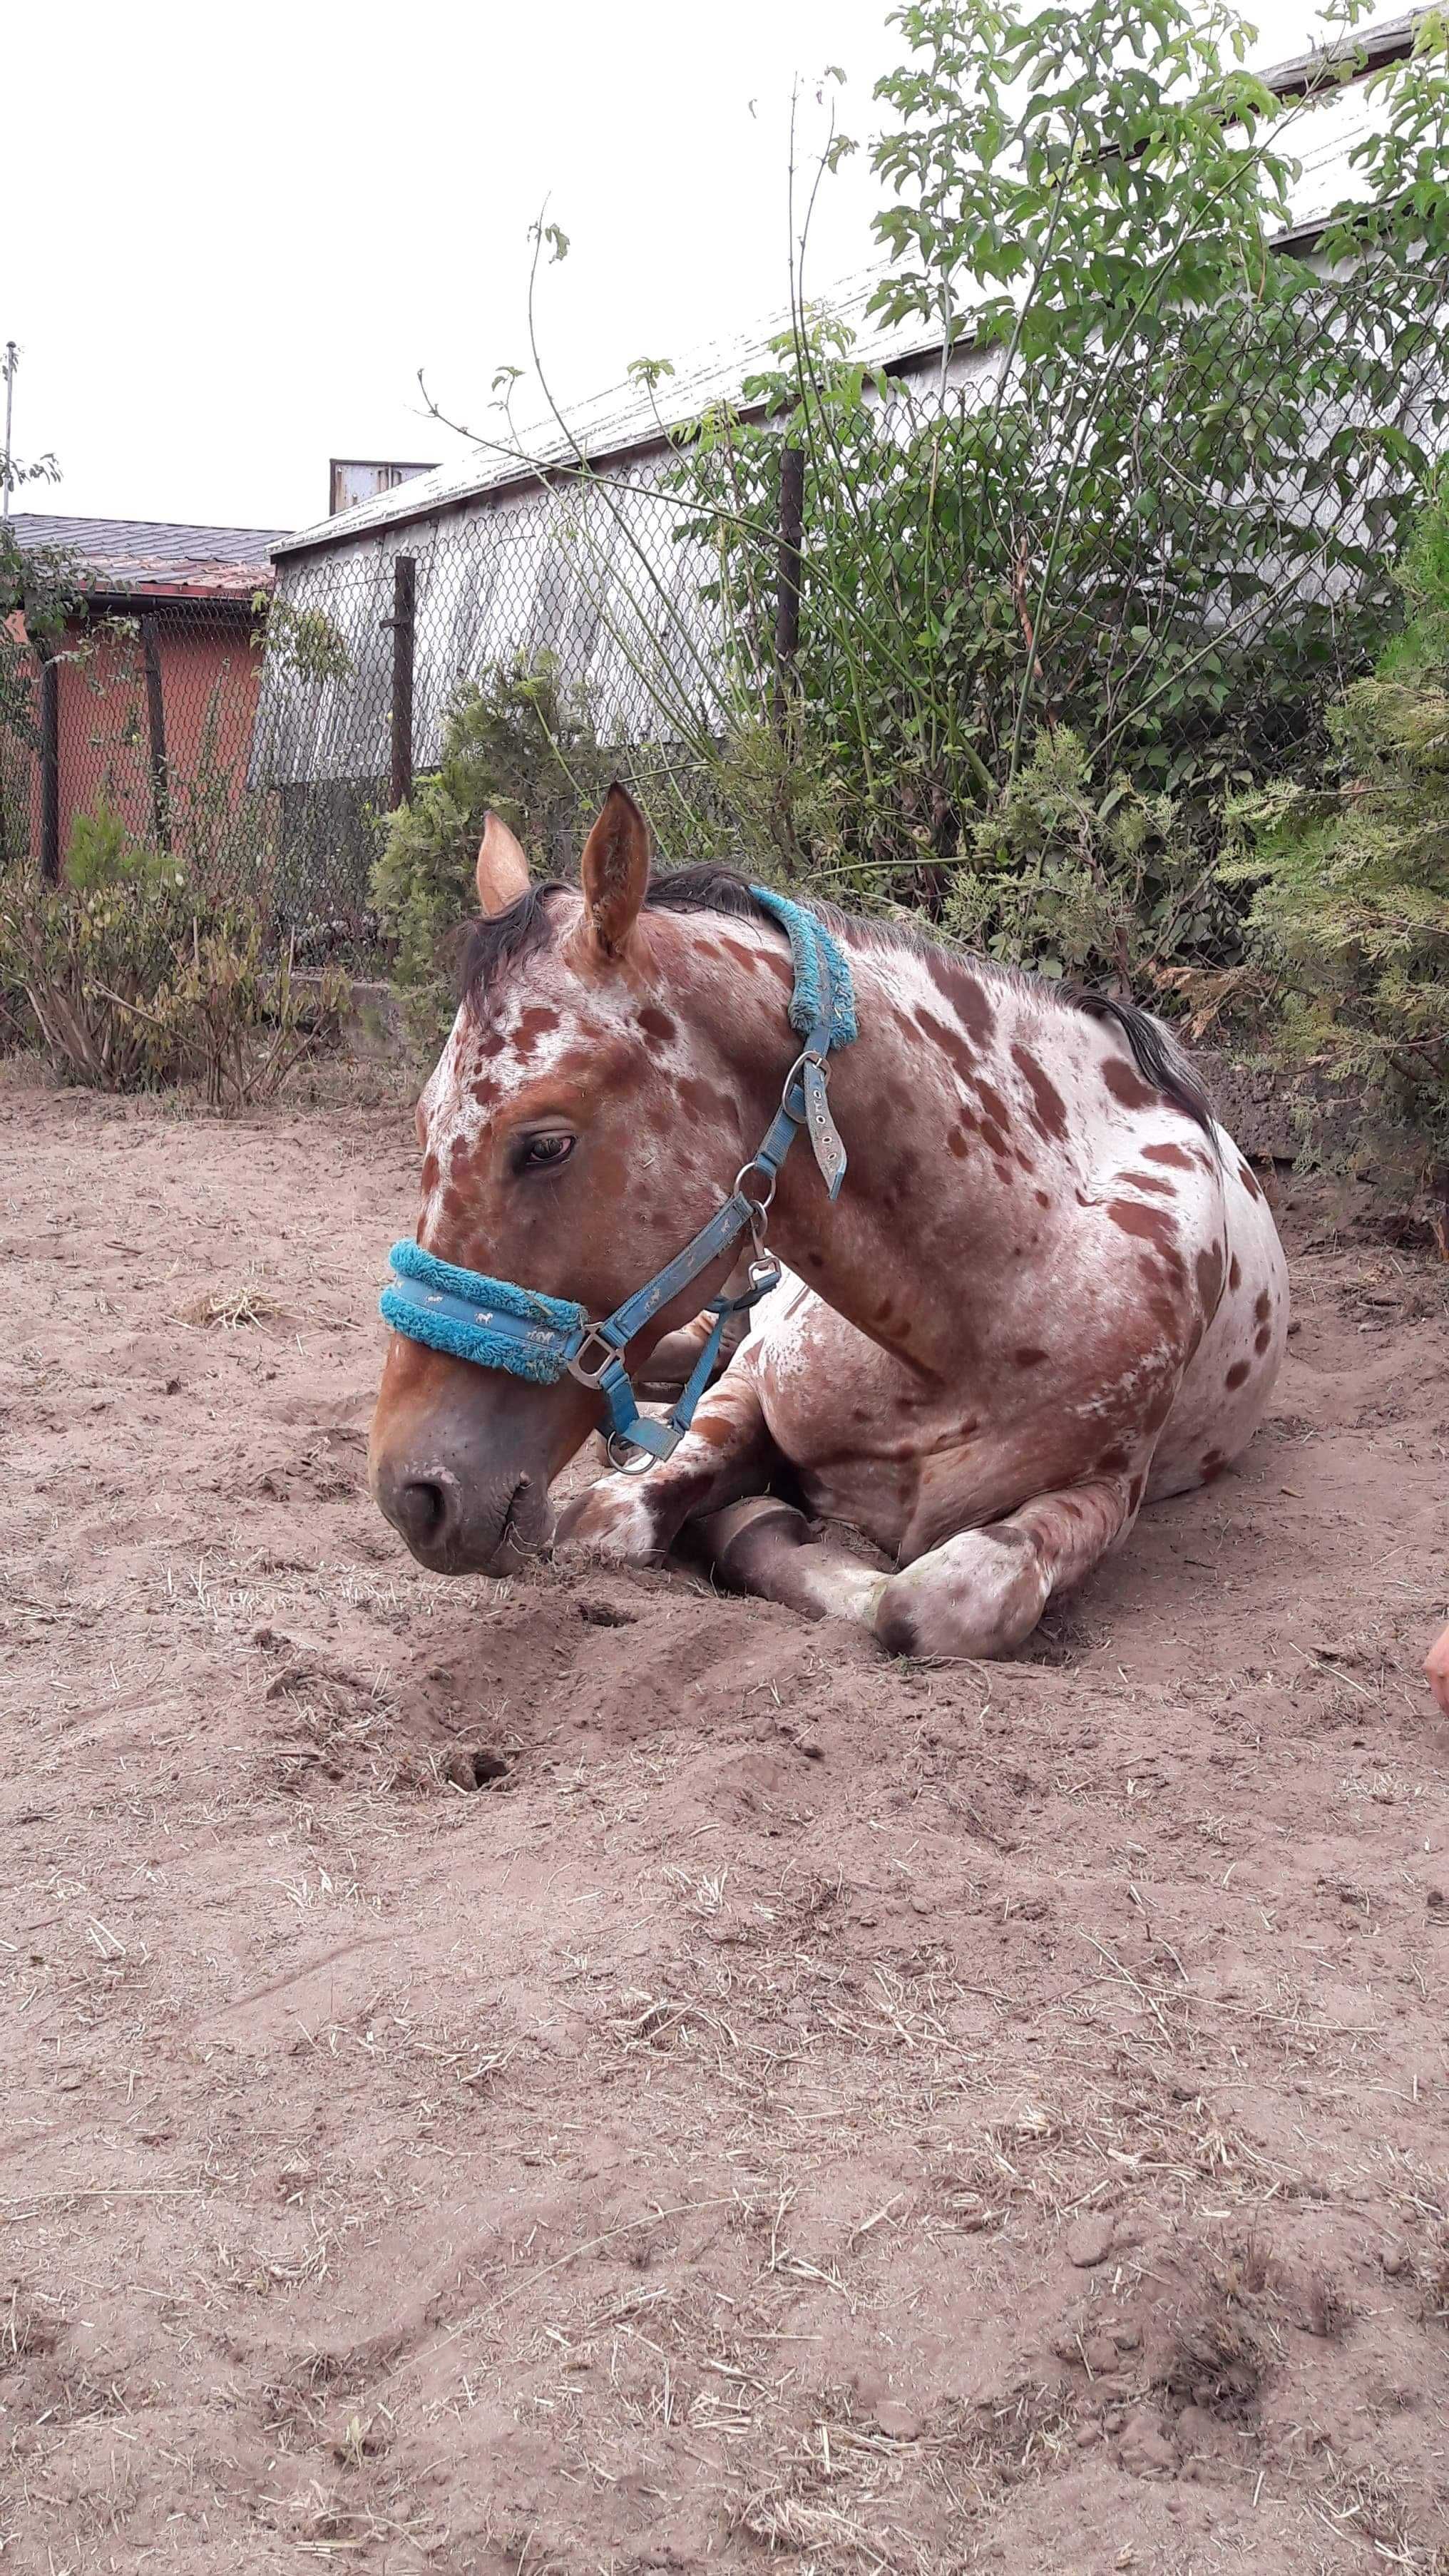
(422, 1510)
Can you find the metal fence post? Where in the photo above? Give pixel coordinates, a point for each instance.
(156, 729)
(49, 765)
(403, 622)
(787, 579)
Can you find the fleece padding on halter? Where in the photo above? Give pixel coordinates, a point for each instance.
(473, 1317)
(485, 1320)
(823, 990)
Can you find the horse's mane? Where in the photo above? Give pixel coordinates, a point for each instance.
(502, 939)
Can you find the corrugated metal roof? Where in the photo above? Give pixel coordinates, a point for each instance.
(157, 556)
(1321, 135)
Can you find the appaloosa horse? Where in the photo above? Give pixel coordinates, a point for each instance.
(1049, 1290)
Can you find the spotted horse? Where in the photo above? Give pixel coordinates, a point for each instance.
(1048, 1292)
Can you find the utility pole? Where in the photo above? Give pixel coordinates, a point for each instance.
(11, 359)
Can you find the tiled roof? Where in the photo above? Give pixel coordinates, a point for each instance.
(157, 556)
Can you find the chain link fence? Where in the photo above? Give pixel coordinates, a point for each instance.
(682, 599)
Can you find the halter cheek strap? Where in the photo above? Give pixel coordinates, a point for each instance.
(496, 1325)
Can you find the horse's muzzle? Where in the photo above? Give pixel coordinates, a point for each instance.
(461, 1458)
(453, 1526)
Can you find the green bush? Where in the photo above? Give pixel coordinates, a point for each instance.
(1350, 909)
(125, 981)
(514, 747)
(1161, 520)
(1074, 880)
(100, 852)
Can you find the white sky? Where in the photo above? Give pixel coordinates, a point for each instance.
(236, 233)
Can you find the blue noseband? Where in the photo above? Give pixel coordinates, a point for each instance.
(496, 1325)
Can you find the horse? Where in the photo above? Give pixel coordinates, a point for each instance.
(1049, 1292)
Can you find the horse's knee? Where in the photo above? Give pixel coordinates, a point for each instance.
(613, 1519)
(975, 1596)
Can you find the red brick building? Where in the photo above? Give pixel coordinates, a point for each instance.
(145, 704)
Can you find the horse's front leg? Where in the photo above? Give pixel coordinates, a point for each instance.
(726, 1453)
(981, 1593)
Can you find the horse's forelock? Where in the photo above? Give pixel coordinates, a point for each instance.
(500, 939)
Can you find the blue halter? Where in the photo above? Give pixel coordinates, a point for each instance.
(496, 1325)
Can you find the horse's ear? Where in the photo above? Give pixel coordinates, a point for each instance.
(615, 871)
(502, 867)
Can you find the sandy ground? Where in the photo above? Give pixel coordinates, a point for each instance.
(586, 2075)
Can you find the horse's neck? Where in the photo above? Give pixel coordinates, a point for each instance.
(936, 1169)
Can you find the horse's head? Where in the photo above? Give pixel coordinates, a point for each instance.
(587, 1114)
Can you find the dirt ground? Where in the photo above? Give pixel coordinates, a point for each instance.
(582, 2075)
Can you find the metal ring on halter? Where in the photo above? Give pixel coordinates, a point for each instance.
(637, 1463)
(762, 1206)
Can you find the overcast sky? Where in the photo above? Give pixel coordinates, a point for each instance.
(235, 235)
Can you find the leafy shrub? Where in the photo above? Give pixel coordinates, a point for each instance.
(1351, 876)
(125, 983)
(515, 747)
(235, 1024)
(100, 852)
(1073, 879)
(1158, 510)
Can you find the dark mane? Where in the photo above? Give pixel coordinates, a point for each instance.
(499, 939)
(527, 926)
(1159, 1058)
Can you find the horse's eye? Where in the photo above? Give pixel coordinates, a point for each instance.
(541, 1151)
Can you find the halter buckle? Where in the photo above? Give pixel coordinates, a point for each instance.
(590, 1374)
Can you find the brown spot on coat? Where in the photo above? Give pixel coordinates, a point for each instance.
(430, 1174)
(1049, 1110)
(951, 1043)
(656, 1024)
(959, 1143)
(1249, 1180)
(1237, 1374)
(965, 993)
(755, 958)
(1208, 1268)
(1028, 1356)
(533, 1024)
(1179, 1158)
(1149, 1224)
(1262, 1338)
(1235, 1272)
(1149, 1181)
(1127, 1086)
(1262, 1306)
